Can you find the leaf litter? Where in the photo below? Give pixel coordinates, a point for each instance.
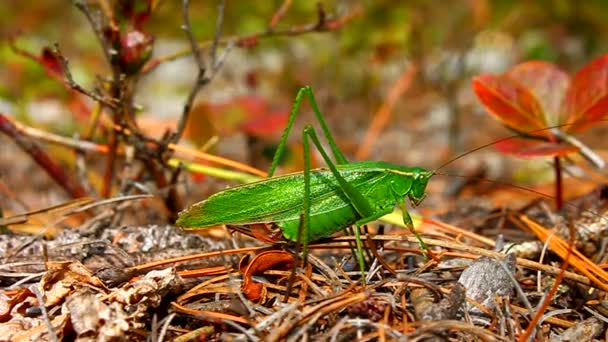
(97, 286)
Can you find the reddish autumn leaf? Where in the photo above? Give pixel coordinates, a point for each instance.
(547, 83)
(510, 102)
(266, 125)
(260, 121)
(587, 98)
(198, 178)
(50, 62)
(254, 106)
(536, 95)
(250, 114)
(528, 148)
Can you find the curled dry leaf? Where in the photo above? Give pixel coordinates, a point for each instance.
(447, 307)
(63, 277)
(7, 303)
(34, 330)
(150, 289)
(267, 260)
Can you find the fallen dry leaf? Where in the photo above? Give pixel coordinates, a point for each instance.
(63, 277)
(267, 260)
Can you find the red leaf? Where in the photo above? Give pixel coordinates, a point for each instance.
(529, 148)
(510, 102)
(266, 125)
(587, 98)
(50, 62)
(254, 106)
(547, 83)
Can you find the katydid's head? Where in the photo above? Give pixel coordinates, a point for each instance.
(418, 191)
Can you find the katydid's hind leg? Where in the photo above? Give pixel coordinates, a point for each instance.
(357, 200)
(409, 223)
(305, 91)
(296, 261)
(358, 226)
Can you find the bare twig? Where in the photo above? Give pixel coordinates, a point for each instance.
(69, 79)
(163, 330)
(52, 333)
(279, 14)
(251, 39)
(95, 24)
(216, 37)
(203, 77)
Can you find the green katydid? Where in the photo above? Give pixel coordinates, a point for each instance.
(326, 200)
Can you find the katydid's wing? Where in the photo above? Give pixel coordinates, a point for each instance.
(273, 199)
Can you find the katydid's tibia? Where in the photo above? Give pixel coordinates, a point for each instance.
(325, 199)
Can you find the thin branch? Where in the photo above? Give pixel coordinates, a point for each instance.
(216, 37)
(94, 22)
(196, 50)
(279, 14)
(250, 39)
(203, 77)
(69, 79)
(45, 315)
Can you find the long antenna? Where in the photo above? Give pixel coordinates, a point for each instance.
(520, 134)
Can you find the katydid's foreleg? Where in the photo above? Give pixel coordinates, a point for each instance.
(409, 223)
(305, 91)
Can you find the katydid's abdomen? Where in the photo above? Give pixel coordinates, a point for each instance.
(280, 199)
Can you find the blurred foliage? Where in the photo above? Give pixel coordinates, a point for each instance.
(564, 31)
(357, 62)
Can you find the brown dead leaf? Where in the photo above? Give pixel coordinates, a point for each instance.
(63, 277)
(267, 260)
(92, 318)
(8, 302)
(150, 289)
(39, 332)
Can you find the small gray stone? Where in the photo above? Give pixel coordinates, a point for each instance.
(486, 278)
